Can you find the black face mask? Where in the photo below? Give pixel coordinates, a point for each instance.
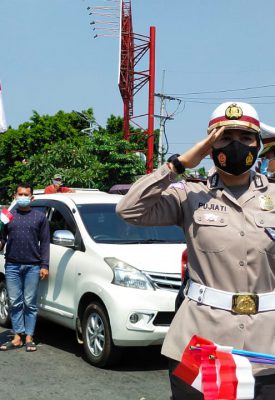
(235, 158)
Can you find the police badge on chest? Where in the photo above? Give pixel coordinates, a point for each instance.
(266, 202)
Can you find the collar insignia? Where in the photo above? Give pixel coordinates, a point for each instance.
(233, 111)
(214, 180)
(258, 181)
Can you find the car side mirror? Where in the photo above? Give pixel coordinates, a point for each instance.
(64, 238)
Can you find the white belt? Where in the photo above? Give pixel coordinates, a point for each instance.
(239, 303)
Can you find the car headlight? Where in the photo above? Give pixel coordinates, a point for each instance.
(128, 276)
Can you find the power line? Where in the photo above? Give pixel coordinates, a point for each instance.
(218, 102)
(220, 98)
(163, 119)
(224, 90)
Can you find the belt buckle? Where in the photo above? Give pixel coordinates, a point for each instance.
(245, 303)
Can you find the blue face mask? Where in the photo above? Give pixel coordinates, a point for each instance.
(23, 201)
(57, 182)
(264, 166)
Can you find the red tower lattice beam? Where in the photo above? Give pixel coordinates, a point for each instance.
(126, 79)
(151, 107)
(133, 48)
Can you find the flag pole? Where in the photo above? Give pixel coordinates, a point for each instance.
(252, 355)
(3, 123)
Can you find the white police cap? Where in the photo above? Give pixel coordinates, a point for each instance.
(235, 115)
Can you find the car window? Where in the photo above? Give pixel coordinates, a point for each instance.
(57, 222)
(105, 226)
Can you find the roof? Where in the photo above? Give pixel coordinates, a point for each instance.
(120, 188)
(41, 191)
(82, 197)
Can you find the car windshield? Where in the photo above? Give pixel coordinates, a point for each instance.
(105, 226)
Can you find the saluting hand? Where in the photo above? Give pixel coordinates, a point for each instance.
(193, 157)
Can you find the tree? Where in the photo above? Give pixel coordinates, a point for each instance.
(47, 145)
(39, 134)
(99, 163)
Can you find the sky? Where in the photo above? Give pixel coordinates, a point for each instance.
(50, 61)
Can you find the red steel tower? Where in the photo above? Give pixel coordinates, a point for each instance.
(133, 47)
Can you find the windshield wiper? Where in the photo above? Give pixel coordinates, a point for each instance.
(154, 241)
(141, 241)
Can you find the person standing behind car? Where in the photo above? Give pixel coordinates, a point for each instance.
(267, 165)
(27, 239)
(229, 225)
(57, 186)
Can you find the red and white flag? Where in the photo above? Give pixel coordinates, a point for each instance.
(215, 371)
(6, 216)
(3, 124)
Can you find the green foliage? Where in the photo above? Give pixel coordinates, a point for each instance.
(114, 124)
(55, 144)
(196, 173)
(202, 173)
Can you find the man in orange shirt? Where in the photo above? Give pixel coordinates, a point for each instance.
(57, 186)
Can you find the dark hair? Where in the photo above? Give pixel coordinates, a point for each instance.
(25, 186)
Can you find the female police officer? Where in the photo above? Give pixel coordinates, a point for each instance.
(230, 231)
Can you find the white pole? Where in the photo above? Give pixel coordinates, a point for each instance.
(161, 123)
(3, 123)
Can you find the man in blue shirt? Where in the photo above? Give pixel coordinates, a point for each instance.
(27, 239)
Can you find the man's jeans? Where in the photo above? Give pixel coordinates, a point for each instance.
(22, 285)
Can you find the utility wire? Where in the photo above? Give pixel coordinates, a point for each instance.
(220, 98)
(224, 90)
(218, 102)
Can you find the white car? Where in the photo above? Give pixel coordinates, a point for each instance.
(115, 284)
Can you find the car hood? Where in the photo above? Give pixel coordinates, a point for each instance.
(147, 257)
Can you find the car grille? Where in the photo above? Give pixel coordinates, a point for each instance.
(164, 281)
(163, 318)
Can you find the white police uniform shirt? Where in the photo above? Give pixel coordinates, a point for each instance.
(228, 249)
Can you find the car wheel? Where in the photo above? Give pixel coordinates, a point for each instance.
(4, 306)
(97, 337)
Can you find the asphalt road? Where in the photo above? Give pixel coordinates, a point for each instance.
(58, 371)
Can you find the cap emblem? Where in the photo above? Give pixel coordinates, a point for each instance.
(222, 159)
(233, 111)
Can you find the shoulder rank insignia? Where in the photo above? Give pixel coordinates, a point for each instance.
(266, 202)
